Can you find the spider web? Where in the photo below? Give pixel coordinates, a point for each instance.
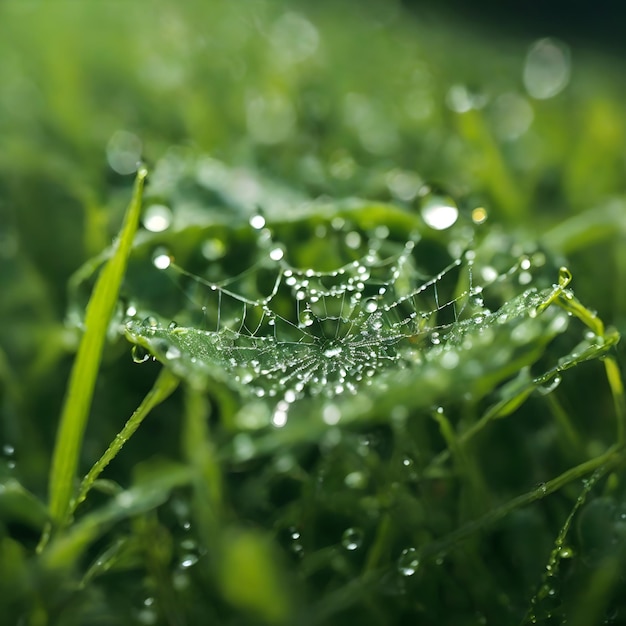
(279, 331)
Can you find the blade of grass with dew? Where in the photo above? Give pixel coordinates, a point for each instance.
(164, 386)
(83, 376)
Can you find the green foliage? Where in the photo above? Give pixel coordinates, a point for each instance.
(344, 411)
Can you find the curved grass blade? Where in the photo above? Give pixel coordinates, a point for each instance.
(163, 387)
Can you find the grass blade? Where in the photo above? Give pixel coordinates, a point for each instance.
(163, 387)
(83, 376)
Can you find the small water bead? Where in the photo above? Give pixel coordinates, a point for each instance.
(276, 254)
(544, 390)
(479, 215)
(124, 152)
(213, 249)
(547, 68)
(157, 218)
(139, 354)
(279, 419)
(173, 353)
(257, 222)
(188, 560)
(8, 452)
(488, 273)
(439, 212)
(371, 306)
(408, 562)
(161, 259)
(352, 539)
(353, 240)
(355, 480)
(331, 413)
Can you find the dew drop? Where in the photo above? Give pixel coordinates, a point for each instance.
(161, 259)
(188, 560)
(544, 390)
(479, 215)
(149, 325)
(213, 249)
(173, 353)
(331, 414)
(408, 562)
(124, 152)
(371, 306)
(276, 254)
(488, 273)
(547, 69)
(279, 419)
(353, 240)
(157, 218)
(139, 354)
(355, 480)
(352, 539)
(257, 222)
(439, 212)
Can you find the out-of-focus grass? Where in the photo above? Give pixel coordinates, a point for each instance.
(331, 98)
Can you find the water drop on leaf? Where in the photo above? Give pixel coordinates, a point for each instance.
(139, 354)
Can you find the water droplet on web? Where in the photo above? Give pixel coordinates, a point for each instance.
(352, 539)
(371, 306)
(408, 562)
(439, 212)
(276, 254)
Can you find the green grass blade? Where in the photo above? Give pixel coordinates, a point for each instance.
(164, 386)
(83, 376)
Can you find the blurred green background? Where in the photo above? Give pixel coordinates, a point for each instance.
(331, 98)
